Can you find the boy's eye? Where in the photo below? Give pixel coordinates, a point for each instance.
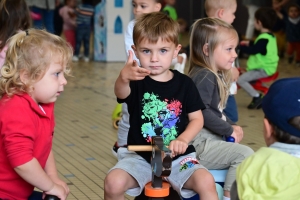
(146, 51)
(163, 50)
(57, 73)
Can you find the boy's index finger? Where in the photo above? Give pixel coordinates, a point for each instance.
(130, 57)
(143, 71)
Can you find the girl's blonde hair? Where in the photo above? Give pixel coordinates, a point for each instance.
(211, 32)
(31, 52)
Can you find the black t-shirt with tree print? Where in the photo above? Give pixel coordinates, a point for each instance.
(160, 108)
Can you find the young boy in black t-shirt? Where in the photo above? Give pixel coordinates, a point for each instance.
(160, 102)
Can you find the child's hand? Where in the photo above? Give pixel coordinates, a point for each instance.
(132, 71)
(58, 191)
(60, 182)
(178, 147)
(276, 6)
(244, 43)
(235, 74)
(237, 133)
(72, 15)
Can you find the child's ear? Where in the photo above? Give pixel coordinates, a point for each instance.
(205, 49)
(134, 51)
(158, 7)
(24, 76)
(259, 22)
(268, 132)
(220, 13)
(177, 49)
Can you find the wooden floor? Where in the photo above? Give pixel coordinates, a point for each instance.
(84, 134)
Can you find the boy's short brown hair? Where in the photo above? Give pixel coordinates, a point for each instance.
(155, 26)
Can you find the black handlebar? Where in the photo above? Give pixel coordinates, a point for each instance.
(51, 197)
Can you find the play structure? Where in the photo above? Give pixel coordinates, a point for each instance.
(110, 22)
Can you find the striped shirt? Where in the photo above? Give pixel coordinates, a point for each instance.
(84, 13)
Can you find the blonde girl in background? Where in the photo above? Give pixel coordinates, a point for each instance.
(31, 80)
(212, 53)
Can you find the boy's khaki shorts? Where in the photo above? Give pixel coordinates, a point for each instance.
(140, 170)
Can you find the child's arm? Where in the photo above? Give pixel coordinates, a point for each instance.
(51, 171)
(129, 40)
(279, 14)
(277, 5)
(87, 12)
(245, 43)
(71, 17)
(260, 47)
(237, 133)
(66, 14)
(33, 173)
(206, 84)
(180, 145)
(130, 72)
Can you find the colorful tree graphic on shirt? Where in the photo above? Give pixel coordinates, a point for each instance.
(161, 118)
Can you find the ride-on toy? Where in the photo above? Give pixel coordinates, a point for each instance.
(161, 162)
(51, 197)
(116, 115)
(260, 84)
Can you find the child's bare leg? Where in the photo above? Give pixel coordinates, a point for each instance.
(203, 183)
(116, 183)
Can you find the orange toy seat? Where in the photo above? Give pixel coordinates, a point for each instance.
(157, 192)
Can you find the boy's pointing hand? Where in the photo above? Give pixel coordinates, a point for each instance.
(132, 71)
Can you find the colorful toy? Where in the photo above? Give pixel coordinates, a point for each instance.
(259, 84)
(161, 163)
(116, 115)
(161, 158)
(51, 197)
(229, 138)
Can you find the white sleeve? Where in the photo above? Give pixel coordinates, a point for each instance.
(129, 40)
(233, 87)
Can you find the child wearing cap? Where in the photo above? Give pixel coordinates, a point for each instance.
(274, 172)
